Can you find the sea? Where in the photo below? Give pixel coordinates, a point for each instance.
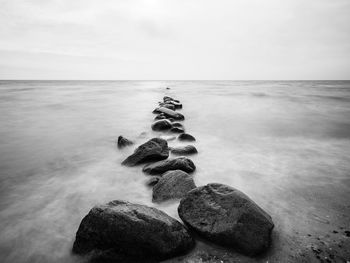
(286, 144)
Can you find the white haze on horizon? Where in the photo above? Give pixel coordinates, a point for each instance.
(168, 39)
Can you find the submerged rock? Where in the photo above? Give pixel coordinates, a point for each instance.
(153, 150)
(227, 217)
(180, 163)
(132, 230)
(172, 185)
(169, 113)
(184, 150)
(123, 142)
(186, 137)
(161, 125)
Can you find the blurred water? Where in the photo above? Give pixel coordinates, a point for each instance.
(284, 143)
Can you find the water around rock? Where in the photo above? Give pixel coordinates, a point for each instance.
(228, 217)
(153, 150)
(179, 163)
(132, 230)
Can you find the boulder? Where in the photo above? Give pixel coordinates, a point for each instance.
(177, 130)
(132, 230)
(160, 117)
(161, 125)
(186, 137)
(180, 163)
(178, 124)
(172, 185)
(167, 99)
(177, 105)
(153, 180)
(153, 150)
(169, 113)
(184, 150)
(123, 142)
(227, 217)
(167, 105)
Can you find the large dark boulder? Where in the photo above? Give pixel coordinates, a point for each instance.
(180, 163)
(227, 217)
(186, 137)
(161, 125)
(132, 230)
(169, 113)
(123, 142)
(172, 185)
(184, 150)
(154, 150)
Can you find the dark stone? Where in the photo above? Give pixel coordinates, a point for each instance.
(227, 217)
(167, 88)
(122, 142)
(180, 163)
(169, 113)
(177, 130)
(153, 150)
(177, 105)
(184, 150)
(160, 117)
(153, 180)
(168, 106)
(161, 125)
(172, 185)
(132, 230)
(178, 124)
(186, 137)
(171, 119)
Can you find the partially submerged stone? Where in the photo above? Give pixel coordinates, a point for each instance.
(172, 185)
(123, 142)
(228, 217)
(169, 113)
(153, 150)
(184, 150)
(178, 124)
(177, 130)
(180, 163)
(161, 125)
(186, 137)
(132, 230)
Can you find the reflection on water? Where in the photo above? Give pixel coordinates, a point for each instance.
(285, 144)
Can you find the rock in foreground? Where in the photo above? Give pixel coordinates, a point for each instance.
(184, 150)
(180, 163)
(154, 150)
(136, 231)
(172, 185)
(123, 142)
(227, 217)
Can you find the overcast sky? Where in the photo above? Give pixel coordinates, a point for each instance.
(175, 39)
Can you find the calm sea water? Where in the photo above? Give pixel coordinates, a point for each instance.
(286, 144)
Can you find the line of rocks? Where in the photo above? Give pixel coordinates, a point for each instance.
(120, 231)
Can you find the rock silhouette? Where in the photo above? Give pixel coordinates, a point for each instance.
(180, 163)
(186, 137)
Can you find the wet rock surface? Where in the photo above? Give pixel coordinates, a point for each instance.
(161, 125)
(186, 137)
(184, 150)
(123, 142)
(153, 180)
(172, 185)
(132, 230)
(153, 150)
(228, 217)
(180, 163)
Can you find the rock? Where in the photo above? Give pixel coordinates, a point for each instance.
(161, 125)
(180, 163)
(167, 88)
(153, 150)
(160, 117)
(186, 137)
(153, 180)
(123, 142)
(169, 113)
(172, 185)
(184, 150)
(171, 119)
(178, 124)
(132, 230)
(167, 99)
(177, 130)
(227, 217)
(177, 105)
(168, 106)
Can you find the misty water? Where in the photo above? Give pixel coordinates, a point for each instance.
(286, 144)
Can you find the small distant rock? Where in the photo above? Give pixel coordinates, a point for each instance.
(123, 142)
(168, 106)
(186, 137)
(167, 88)
(132, 230)
(161, 125)
(172, 185)
(153, 180)
(184, 150)
(227, 217)
(169, 113)
(160, 117)
(177, 130)
(153, 150)
(180, 163)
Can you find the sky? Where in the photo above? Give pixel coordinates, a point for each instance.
(175, 39)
